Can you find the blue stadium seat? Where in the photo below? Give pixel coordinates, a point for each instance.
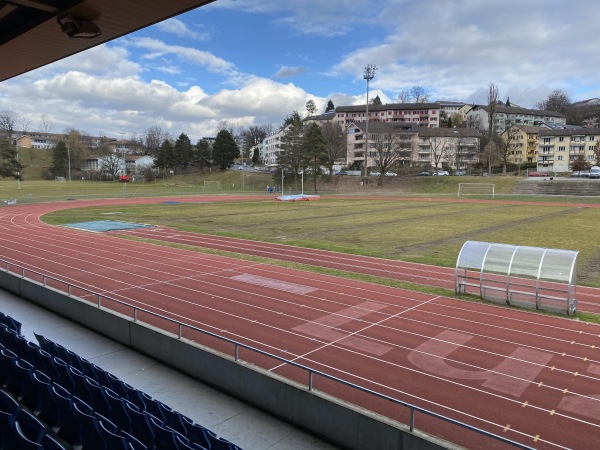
(48, 410)
(44, 363)
(31, 427)
(11, 323)
(118, 414)
(163, 437)
(50, 442)
(18, 377)
(21, 441)
(152, 406)
(195, 432)
(69, 428)
(6, 431)
(91, 436)
(80, 387)
(64, 374)
(8, 403)
(41, 341)
(97, 400)
(173, 419)
(181, 443)
(112, 440)
(216, 443)
(132, 441)
(102, 377)
(6, 361)
(139, 427)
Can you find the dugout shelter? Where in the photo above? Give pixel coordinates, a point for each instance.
(530, 277)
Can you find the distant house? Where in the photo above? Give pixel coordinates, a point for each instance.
(558, 148)
(427, 115)
(506, 116)
(37, 140)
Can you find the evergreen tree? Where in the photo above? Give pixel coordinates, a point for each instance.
(225, 150)
(330, 106)
(201, 158)
(314, 151)
(60, 160)
(165, 157)
(9, 160)
(376, 100)
(292, 158)
(183, 152)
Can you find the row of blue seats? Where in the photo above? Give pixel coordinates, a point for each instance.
(10, 322)
(19, 429)
(81, 400)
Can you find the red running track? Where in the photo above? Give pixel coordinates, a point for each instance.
(531, 378)
(588, 299)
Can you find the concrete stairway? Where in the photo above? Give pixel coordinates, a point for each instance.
(558, 186)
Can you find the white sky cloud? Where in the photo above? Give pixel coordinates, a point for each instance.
(227, 61)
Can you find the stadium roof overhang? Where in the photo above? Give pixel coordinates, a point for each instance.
(34, 33)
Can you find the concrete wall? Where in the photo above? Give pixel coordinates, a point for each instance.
(329, 418)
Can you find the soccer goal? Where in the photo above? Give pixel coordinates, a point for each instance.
(212, 186)
(481, 189)
(61, 179)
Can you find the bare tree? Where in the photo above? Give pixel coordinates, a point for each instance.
(388, 145)
(110, 162)
(492, 98)
(335, 143)
(490, 154)
(45, 124)
(152, 139)
(403, 97)
(439, 149)
(74, 139)
(254, 135)
(558, 100)
(418, 94)
(9, 120)
(509, 144)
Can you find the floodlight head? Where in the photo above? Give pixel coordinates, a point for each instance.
(78, 28)
(370, 72)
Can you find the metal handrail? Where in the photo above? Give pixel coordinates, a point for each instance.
(237, 345)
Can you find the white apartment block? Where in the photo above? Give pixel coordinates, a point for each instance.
(427, 115)
(506, 116)
(558, 148)
(271, 148)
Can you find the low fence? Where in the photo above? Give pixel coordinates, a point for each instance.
(342, 421)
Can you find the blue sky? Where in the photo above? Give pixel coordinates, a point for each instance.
(253, 62)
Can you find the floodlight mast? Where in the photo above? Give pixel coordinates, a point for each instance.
(369, 75)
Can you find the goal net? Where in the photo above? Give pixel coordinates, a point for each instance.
(212, 185)
(61, 179)
(481, 189)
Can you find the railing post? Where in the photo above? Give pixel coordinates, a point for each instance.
(237, 352)
(412, 419)
(310, 380)
(180, 331)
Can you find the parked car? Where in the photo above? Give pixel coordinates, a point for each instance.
(595, 172)
(124, 178)
(423, 174)
(391, 174)
(341, 173)
(375, 174)
(441, 173)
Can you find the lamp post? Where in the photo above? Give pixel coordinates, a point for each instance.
(123, 148)
(69, 161)
(369, 75)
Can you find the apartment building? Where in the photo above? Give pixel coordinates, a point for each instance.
(523, 142)
(447, 147)
(400, 135)
(558, 148)
(271, 147)
(426, 115)
(506, 116)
